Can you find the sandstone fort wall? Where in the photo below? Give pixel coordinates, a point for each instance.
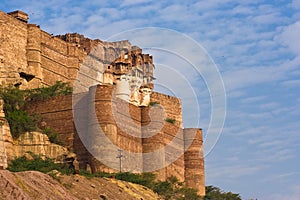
(13, 43)
(31, 58)
(127, 132)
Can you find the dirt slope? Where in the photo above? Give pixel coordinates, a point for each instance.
(36, 185)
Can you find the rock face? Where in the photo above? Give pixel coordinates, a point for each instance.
(30, 185)
(6, 142)
(39, 144)
(33, 142)
(36, 185)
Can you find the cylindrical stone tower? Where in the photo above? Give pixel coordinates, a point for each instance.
(34, 55)
(122, 88)
(194, 161)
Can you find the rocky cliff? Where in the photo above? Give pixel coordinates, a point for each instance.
(29, 143)
(36, 185)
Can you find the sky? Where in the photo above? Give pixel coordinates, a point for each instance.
(255, 47)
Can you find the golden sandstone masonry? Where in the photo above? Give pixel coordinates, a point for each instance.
(115, 80)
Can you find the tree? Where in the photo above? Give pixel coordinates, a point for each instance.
(215, 193)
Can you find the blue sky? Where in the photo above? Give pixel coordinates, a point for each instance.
(255, 45)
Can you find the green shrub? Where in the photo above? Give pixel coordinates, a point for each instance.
(153, 103)
(216, 193)
(173, 180)
(163, 188)
(44, 93)
(16, 101)
(145, 179)
(169, 189)
(37, 164)
(97, 174)
(53, 136)
(173, 189)
(188, 194)
(13, 98)
(20, 122)
(170, 120)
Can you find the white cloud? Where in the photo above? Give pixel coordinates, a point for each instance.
(243, 10)
(269, 106)
(289, 37)
(296, 4)
(251, 76)
(292, 83)
(232, 171)
(254, 99)
(134, 2)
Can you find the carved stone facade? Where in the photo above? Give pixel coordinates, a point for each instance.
(115, 81)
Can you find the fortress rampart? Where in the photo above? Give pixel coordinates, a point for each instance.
(127, 133)
(115, 97)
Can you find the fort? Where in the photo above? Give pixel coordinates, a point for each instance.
(113, 120)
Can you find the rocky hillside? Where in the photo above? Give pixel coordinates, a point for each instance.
(36, 185)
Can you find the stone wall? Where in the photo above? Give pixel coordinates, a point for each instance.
(194, 160)
(60, 60)
(13, 43)
(29, 142)
(130, 128)
(31, 58)
(119, 122)
(57, 114)
(171, 105)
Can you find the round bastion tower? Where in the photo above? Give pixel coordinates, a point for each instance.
(122, 88)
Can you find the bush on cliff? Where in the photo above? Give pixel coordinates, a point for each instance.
(170, 120)
(173, 189)
(52, 135)
(44, 93)
(20, 122)
(145, 179)
(16, 101)
(169, 189)
(37, 164)
(96, 174)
